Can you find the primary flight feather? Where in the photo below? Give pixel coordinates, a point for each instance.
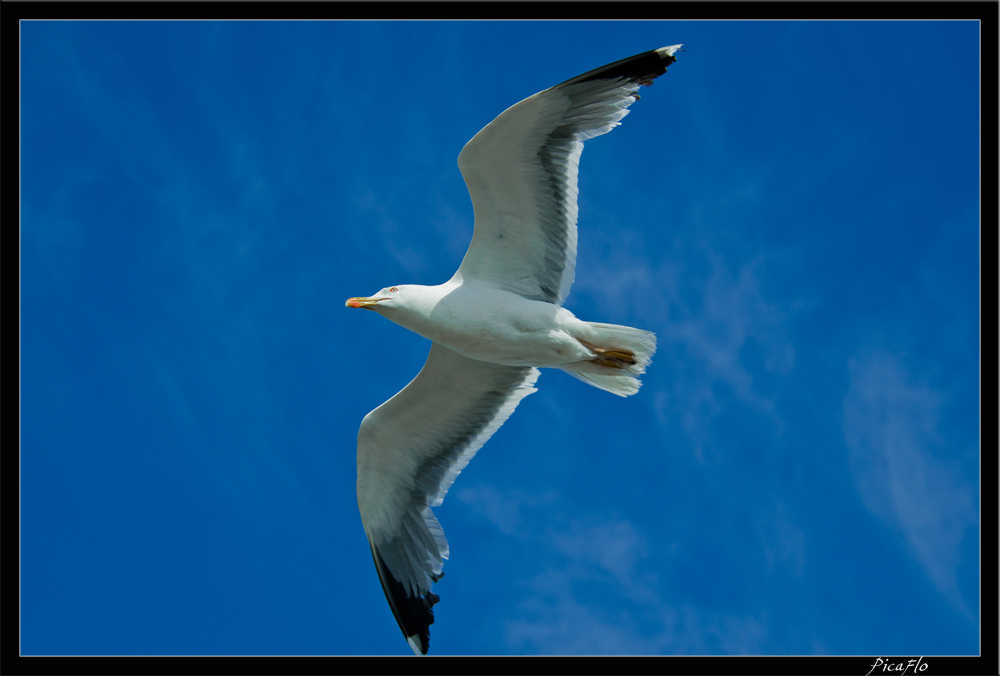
(497, 320)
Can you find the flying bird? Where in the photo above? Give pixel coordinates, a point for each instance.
(492, 325)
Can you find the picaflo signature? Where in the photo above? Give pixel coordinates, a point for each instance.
(918, 666)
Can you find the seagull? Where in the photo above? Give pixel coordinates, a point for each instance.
(492, 325)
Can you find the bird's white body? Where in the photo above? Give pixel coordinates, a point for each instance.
(488, 324)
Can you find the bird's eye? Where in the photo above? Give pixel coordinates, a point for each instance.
(393, 290)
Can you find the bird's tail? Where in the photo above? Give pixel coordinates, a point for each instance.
(621, 355)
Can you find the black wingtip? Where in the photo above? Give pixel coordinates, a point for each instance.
(642, 68)
(414, 615)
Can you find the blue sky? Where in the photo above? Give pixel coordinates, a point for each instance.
(793, 209)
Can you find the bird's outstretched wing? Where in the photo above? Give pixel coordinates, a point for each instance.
(410, 449)
(521, 172)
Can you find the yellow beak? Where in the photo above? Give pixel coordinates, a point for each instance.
(362, 302)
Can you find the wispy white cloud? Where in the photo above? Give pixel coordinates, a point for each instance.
(783, 542)
(892, 429)
(734, 311)
(503, 508)
(555, 621)
(615, 548)
(705, 316)
(557, 616)
(380, 222)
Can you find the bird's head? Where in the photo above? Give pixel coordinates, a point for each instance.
(389, 297)
(409, 305)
